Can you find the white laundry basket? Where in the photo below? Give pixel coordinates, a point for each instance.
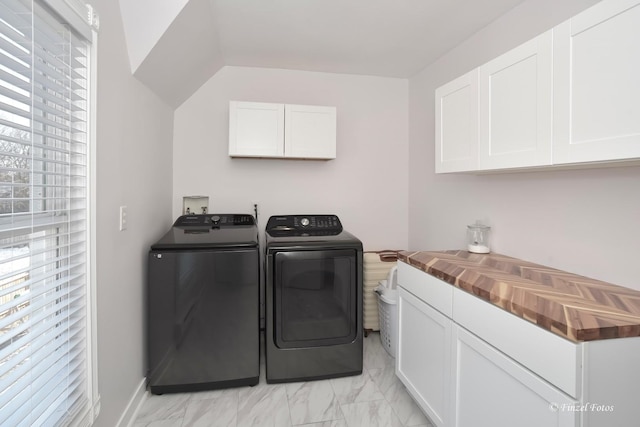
(388, 312)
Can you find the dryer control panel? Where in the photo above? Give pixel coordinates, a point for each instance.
(303, 223)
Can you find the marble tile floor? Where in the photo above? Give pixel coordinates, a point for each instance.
(375, 398)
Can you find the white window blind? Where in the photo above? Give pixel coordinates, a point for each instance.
(43, 217)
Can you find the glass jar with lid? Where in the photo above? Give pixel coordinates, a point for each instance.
(478, 238)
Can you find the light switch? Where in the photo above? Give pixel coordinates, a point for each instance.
(123, 218)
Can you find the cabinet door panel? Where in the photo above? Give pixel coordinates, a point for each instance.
(596, 90)
(549, 356)
(310, 131)
(457, 124)
(493, 390)
(256, 129)
(515, 107)
(423, 362)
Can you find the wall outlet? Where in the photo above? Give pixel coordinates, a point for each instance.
(123, 218)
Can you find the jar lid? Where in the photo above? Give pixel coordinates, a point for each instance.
(478, 227)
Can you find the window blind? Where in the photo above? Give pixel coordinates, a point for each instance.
(43, 216)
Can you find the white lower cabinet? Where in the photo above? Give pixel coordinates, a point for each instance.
(493, 390)
(468, 363)
(424, 356)
(458, 378)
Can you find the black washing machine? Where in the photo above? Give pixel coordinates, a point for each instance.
(313, 299)
(203, 305)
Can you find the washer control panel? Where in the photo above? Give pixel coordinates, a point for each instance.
(214, 220)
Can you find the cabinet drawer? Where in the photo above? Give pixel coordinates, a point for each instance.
(553, 358)
(434, 292)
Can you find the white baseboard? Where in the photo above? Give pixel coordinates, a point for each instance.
(128, 417)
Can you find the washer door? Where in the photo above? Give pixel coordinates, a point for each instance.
(315, 298)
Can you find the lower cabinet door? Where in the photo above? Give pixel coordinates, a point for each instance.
(423, 360)
(493, 390)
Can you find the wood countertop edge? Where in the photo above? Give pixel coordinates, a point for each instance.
(556, 325)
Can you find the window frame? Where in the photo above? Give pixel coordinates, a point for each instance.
(83, 21)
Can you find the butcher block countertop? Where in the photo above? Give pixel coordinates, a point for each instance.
(569, 305)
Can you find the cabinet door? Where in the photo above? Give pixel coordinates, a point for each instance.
(423, 361)
(256, 129)
(310, 132)
(596, 89)
(457, 124)
(493, 390)
(516, 107)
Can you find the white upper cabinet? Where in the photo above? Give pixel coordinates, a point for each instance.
(310, 132)
(258, 129)
(457, 124)
(516, 107)
(569, 96)
(596, 84)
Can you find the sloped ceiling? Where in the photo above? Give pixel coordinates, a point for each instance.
(391, 38)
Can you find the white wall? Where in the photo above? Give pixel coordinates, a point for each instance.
(184, 57)
(582, 221)
(156, 15)
(134, 133)
(365, 185)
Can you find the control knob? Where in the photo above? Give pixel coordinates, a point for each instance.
(304, 222)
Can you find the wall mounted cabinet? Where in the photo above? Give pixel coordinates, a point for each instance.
(258, 129)
(569, 96)
(498, 116)
(596, 90)
(515, 107)
(457, 124)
